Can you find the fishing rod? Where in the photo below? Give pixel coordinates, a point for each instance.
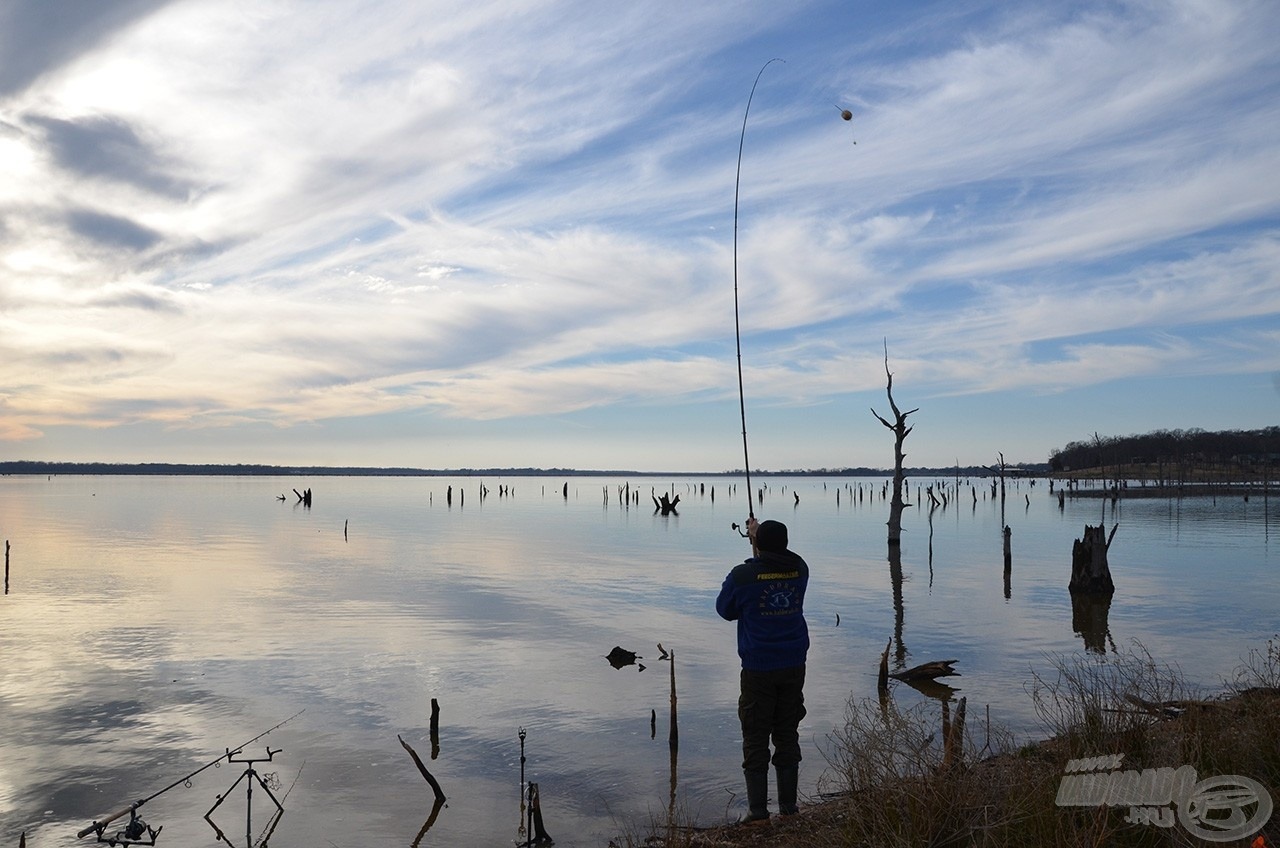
(101, 824)
(737, 325)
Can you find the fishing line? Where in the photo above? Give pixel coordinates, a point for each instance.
(737, 325)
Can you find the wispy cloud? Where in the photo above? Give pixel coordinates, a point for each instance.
(283, 212)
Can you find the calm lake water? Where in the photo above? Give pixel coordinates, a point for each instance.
(153, 622)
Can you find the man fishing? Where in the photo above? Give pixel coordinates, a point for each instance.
(765, 595)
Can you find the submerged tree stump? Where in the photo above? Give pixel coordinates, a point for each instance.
(666, 505)
(1090, 571)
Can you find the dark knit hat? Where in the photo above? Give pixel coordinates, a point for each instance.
(771, 536)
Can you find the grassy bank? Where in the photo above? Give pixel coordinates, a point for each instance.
(1121, 729)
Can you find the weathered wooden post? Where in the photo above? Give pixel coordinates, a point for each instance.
(1008, 562)
(673, 749)
(953, 736)
(537, 830)
(882, 678)
(435, 729)
(1090, 571)
(673, 736)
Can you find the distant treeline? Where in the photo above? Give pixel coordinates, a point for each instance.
(249, 470)
(949, 472)
(246, 470)
(1247, 448)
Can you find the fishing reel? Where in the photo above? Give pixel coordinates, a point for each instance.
(136, 832)
(742, 530)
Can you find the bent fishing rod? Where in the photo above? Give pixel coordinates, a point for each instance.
(101, 824)
(737, 324)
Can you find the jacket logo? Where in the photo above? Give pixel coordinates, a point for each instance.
(778, 599)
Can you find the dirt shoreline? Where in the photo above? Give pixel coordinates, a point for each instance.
(1176, 730)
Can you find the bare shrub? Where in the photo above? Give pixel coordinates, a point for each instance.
(1260, 668)
(1092, 703)
(900, 791)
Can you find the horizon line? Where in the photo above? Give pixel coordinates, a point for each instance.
(264, 469)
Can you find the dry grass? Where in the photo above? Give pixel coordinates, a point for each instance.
(890, 786)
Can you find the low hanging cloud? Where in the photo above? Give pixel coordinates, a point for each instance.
(108, 148)
(110, 230)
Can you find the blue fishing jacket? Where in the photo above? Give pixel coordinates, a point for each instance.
(765, 595)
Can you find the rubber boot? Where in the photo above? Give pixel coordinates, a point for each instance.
(788, 782)
(757, 796)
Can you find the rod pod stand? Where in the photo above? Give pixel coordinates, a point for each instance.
(532, 830)
(250, 776)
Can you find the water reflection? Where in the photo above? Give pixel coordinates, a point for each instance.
(931, 547)
(1008, 562)
(935, 689)
(899, 607)
(428, 776)
(1089, 614)
(431, 820)
(152, 620)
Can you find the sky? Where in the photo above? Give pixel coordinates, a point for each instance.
(522, 234)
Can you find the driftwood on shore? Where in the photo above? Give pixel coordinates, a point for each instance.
(1163, 709)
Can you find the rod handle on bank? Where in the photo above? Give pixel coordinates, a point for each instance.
(108, 820)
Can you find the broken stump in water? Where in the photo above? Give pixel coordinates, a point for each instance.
(1090, 571)
(927, 671)
(666, 505)
(882, 679)
(430, 778)
(620, 657)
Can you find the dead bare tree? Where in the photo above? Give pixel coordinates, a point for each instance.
(900, 432)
